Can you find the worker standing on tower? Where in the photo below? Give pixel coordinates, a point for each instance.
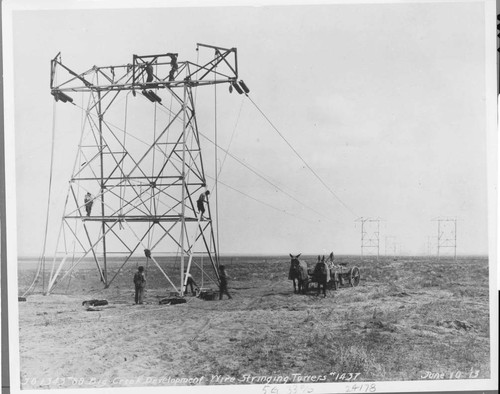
(201, 202)
(88, 200)
(149, 72)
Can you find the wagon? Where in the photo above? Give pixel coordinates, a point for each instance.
(340, 275)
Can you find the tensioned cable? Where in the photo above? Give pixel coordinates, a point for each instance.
(227, 153)
(122, 191)
(197, 62)
(152, 204)
(302, 159)
(216, 169)
(261, 176)
(232, 136)
(264, 203)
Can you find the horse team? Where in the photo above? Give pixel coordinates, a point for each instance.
(325, 273)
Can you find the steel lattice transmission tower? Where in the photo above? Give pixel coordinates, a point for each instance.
(370, 234)
(144, 175)
(446, 235)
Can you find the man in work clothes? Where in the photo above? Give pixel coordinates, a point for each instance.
(201, 203)
(88, 203)
(190, 282)
(223, 282)
(140, 284)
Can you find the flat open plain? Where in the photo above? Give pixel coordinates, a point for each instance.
(410, 318)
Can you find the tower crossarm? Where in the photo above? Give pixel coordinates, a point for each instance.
(134, 218)
(158, 71)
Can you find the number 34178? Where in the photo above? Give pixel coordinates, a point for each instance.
(361, 388)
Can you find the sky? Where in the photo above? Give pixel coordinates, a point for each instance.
(385, 102)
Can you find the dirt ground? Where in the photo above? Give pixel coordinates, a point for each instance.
(409, 319)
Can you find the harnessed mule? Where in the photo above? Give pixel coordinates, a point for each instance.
(321, 275)
(298, 271)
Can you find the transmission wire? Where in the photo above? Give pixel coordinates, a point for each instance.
(302, 159)
(261, 176)
(265, 203)
(216, 172)
(241, 162)
(232, 137)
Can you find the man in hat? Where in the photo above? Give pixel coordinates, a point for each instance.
(88, 200)
(140, 284)
(223, 282)
(201, 202)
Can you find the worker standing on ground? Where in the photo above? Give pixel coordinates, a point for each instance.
(201, 203)
(223, 282)
(140, 284)
(191, 283)
(88, 200)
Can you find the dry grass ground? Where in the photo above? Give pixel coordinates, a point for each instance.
(407, 317)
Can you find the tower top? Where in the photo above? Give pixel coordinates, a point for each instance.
(157, 71)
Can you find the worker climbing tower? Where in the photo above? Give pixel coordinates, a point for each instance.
(140, 159)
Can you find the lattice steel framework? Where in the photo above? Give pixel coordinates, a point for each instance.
(370, 234)
(144, 178)
(446, 235)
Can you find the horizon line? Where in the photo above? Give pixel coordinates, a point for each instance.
(238, 254)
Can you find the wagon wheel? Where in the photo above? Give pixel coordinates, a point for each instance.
(354, 277)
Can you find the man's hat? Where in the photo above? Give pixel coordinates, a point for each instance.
(141, 268)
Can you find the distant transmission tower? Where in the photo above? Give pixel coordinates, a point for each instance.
(370, 235)
(139, 162)
(446, 235)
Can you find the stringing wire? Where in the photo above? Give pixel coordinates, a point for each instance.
(264, 203)
(216, 169)
(241, 162)
(302, 159)
(232, 136)
(262, 176)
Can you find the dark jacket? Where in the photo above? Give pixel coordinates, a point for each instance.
(139, 279)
